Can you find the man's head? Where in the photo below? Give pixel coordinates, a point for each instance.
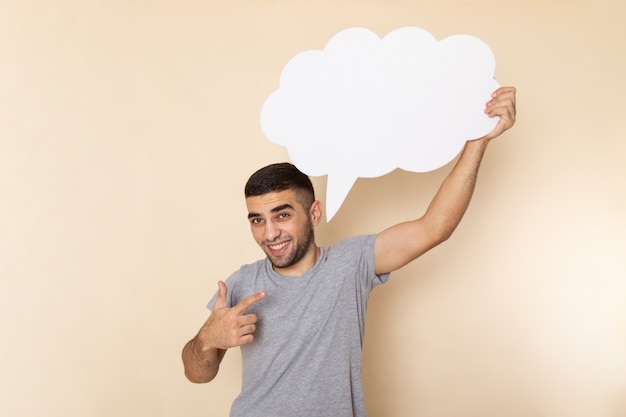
(282, 211)
(280, 177)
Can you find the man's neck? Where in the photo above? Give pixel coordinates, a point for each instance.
(303, 265)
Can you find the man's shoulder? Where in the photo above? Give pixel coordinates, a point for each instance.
(246, 280)
(250, 268)
(357, 241)
(352, 246)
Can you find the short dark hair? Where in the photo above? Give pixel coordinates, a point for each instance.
(280, 177)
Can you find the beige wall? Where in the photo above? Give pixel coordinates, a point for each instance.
(127, 130)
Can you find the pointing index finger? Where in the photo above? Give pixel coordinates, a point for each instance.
(247, 302)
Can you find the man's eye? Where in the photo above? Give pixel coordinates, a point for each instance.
(283, 215)
(256, 220)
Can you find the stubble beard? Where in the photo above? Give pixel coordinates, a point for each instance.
(305, 242)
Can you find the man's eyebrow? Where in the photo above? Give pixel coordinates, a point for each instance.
(282, 207)
(276, 209)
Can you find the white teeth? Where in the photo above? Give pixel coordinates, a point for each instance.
(279, 246)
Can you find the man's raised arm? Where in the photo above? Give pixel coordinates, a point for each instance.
(404, 242)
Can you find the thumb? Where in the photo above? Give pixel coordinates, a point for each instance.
(220, 302)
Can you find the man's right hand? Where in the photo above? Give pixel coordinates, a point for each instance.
(229, 327)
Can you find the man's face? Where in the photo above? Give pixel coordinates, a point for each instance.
(284, 230)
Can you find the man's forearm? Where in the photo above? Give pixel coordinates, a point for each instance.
(453, 197)
(201, 366)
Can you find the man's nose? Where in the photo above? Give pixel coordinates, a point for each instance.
(271, 231)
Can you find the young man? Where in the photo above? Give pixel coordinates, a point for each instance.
(299, 314)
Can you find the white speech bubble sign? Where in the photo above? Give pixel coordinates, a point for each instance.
(364, 106)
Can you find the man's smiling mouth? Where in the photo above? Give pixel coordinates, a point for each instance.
(278, 246)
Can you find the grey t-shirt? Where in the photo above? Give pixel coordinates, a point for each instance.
(305, 360)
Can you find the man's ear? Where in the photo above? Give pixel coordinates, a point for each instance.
(316, 212)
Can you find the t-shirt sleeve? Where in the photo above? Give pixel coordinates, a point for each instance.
(360, 249)
(375, 279)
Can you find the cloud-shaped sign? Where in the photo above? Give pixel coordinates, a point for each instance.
(365, 106)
